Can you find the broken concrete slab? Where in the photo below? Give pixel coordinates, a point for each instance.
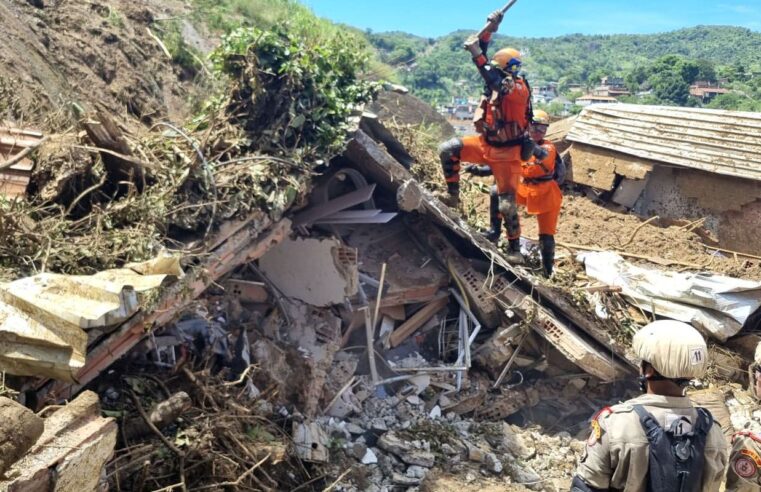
(42, 317)
(69, 455)
(319, 272)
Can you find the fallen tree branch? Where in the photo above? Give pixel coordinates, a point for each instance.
(729, 251)
(657, 261)
(240, 478)
(636, 230)
(180, 455)
(338, 480)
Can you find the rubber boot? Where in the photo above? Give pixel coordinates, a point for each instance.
(514, 254)
(452, 198)
(495, 219)
(547, 248)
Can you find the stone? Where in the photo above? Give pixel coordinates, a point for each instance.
(378, 425)
(370, 458)
(418, 472)
(493, 464)
(449, 450)
(359, 450)
(435, 413)
(410, 453)
(404, 480)
(354, 429)
(475, 453)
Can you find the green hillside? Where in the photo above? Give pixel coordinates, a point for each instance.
(436, 69)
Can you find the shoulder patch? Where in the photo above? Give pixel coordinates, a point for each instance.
(752, 455)
(744, 467)
(596, 430)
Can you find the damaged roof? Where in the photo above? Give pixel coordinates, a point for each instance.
(715, 141)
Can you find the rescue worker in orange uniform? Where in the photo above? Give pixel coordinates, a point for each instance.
(539, 190)
(502, 122)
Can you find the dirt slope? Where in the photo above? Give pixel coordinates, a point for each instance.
(81, 51)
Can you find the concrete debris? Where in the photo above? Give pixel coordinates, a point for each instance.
(400, 342)
(71, 452)
(20, 428)
(311, 442)
(319, 272)
(410, 452)
(42, 318)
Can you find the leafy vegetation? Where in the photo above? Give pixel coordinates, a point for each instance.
(438, 69)
(294, 87)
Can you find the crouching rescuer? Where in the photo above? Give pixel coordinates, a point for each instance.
(501, 122)
(657, 441)
(539, 190)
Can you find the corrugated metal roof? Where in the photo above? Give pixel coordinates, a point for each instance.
(716, 141)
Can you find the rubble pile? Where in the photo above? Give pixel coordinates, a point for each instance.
(307, 316)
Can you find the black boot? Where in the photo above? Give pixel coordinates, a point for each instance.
(514, 254)
(495, 220)
(547, 248)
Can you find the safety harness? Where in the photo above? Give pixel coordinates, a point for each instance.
(557, 174)
(501, 133)
(676, 454)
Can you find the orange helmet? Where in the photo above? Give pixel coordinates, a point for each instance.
(508, 59)
(540, 118)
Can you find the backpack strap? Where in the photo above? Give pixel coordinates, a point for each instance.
(649, 424)
(705, 420)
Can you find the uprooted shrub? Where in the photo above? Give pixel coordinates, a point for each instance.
(292, 92)
(289, 98)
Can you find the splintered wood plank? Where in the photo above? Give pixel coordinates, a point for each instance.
(418, 319)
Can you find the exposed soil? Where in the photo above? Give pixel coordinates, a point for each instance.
(586, 223)
(90, 52)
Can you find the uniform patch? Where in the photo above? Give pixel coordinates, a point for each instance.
(697, 356)
(595, 435)
(750, 454)
(744, 467)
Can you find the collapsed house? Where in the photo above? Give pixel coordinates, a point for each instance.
(676, 163)
(367, 314)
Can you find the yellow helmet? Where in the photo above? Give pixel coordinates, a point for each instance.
(540, 117)
(508, 59)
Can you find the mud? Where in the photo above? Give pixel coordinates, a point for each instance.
(88, 53)
(586, 223)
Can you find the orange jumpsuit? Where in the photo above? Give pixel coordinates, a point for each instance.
(504, 161)
(539, 192)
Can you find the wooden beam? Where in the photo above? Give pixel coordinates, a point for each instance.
(418, 319)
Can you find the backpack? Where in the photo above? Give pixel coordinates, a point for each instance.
(675, 457)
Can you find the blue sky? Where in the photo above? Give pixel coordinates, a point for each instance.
(539, 18)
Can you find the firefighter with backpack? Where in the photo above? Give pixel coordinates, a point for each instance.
(538, 190)
(658, 441)
(502, 123)
(744, 473)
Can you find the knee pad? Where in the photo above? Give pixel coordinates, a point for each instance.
(507, 206)
(449, 153)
